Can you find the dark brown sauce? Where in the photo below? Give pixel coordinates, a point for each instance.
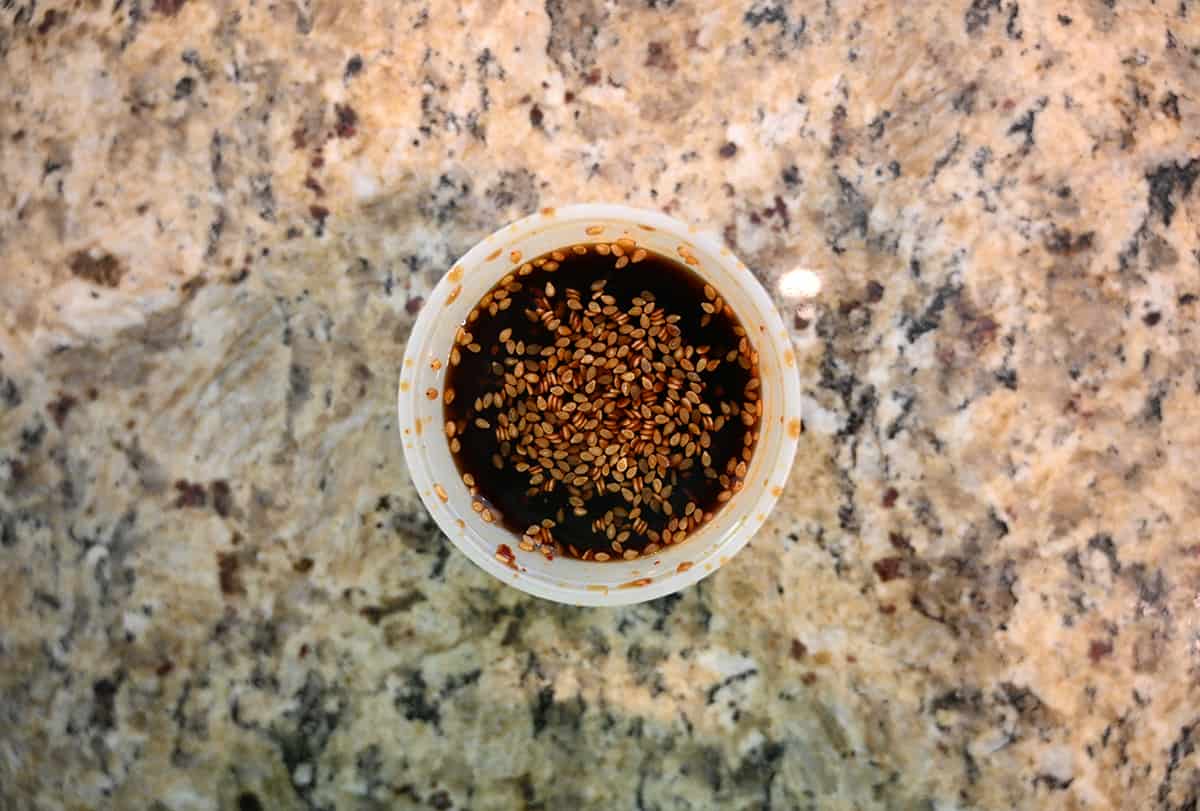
(561, 438)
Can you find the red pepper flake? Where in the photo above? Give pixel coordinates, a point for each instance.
(319, 213)
(799, 649)
(889, 497)
(1099, 649)
(633, 584)
(887, 608)
(303, 565)
(164, 669)
(505, 555)
(888, 568)
(898, 541)
(304, 650)
(809, 678)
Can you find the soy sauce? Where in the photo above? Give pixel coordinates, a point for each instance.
(602, 402)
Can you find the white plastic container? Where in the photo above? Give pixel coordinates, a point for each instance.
(564, 579)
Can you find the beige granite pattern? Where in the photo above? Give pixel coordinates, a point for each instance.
(218, 589)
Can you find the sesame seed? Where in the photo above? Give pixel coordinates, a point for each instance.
(609, 400)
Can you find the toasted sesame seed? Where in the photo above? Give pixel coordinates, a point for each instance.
(611, 402)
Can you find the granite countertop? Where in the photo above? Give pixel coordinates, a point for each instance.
(219, 590)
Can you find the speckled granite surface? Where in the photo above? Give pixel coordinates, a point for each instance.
(218, 589)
